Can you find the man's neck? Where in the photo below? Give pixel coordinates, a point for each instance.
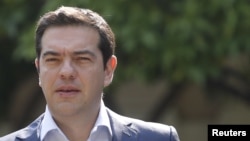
(77, 127)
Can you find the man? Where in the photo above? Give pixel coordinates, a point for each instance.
(75, 61)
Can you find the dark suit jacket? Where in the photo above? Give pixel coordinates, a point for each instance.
(123, 128)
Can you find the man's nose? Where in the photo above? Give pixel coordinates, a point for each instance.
(67, 70)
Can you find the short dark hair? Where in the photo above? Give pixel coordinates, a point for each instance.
(64, 16)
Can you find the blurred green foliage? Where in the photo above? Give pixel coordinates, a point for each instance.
(173, 40)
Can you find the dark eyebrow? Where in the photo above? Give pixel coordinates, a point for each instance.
(53, 53)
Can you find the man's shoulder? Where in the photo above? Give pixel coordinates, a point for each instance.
(12, 136)
(24, 133)
(148, 130)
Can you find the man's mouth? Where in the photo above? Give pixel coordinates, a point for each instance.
(67, 91)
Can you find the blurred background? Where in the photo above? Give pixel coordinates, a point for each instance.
(182, 63)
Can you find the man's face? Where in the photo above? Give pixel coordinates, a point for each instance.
(71, 71)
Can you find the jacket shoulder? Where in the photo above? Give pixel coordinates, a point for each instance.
(27, 133)
(12, 136)
(154, 131)
(148, 131)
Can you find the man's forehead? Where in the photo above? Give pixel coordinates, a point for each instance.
(67, 36)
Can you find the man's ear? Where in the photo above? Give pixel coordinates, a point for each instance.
(109, 70)
(37, 68)
(37, 65)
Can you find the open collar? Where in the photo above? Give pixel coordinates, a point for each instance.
(122, 130)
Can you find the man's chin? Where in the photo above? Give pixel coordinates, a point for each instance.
(66, 109)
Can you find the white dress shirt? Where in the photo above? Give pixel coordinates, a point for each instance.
(101, 131)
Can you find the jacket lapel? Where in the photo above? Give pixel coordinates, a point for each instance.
(32, 136)
(31, 132)
(121, 130)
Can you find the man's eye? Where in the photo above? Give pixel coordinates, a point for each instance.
(83, 58)
(51, 60)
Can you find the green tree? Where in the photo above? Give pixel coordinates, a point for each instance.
(178, 41)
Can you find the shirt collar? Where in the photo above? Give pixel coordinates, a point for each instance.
(48, 124)
(103, 119)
